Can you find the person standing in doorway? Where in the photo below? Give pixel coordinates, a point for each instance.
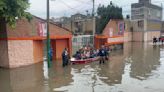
(51, 54)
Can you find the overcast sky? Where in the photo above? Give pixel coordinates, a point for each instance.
(59, 8)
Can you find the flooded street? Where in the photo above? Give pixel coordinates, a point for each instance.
(137, 68)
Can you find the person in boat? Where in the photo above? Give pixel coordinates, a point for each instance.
(78, 55)
(92, 55)
(65, 57)
(102, 53)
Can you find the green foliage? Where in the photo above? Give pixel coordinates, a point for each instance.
(12, 9)
(104, 14)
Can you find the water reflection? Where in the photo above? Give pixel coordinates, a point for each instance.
(59, 76)
(144, 63)
(95, 77)
(27, 79)
(137, 67)
(114, 69)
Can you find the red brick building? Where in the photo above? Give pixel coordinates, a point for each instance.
(114, 33)
(23, 45)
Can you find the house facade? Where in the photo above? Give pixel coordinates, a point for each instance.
(78, 23)
(24, 44)
(146, 20)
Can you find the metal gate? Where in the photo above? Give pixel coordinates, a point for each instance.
(81, 40)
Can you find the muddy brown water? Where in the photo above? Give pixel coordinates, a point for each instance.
(137, 68)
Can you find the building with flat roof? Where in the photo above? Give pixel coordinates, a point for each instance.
(146, 20)
(78, 24)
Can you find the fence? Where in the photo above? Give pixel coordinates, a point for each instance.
(81, 40)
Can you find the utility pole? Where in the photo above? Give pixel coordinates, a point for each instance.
(48, 37)
(94, 21)
(93, 10)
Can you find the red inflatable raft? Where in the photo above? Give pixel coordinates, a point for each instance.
(83, 61)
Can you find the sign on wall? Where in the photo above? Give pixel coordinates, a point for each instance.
(121, 28)
(42, 29)
(110, 32)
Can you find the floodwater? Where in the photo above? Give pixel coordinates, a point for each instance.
(137, 68)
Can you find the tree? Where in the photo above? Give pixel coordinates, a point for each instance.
(105, 13)
(10, 10)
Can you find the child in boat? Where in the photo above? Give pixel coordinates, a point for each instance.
(88, 54)
(77, 55)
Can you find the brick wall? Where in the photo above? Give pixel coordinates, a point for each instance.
(20, 53)
(112, 25)
(29, 29)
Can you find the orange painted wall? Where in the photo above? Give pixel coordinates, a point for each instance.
(53, 46)
(58, 46)
(38, 51)
(99, 42)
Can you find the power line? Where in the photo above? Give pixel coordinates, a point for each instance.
(87, 3)
(75, 9)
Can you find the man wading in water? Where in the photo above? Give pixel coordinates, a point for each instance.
(65, 57)
(102, 54)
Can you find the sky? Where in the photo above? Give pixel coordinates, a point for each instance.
(60, 8)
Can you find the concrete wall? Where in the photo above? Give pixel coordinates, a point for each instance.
(136, 27)
(145, 36)
(162, 27)
(86, 25)
(154, 25)
(149, 35)
(127, 36)
(137, 36)
(20, 53)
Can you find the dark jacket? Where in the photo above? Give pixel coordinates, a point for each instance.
(102, 52)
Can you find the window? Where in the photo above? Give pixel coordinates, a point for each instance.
(141, 23)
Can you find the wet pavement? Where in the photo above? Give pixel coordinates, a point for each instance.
(137, 68)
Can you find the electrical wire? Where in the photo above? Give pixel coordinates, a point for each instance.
(81, 10)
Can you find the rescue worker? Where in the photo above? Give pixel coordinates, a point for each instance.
(102, 53)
